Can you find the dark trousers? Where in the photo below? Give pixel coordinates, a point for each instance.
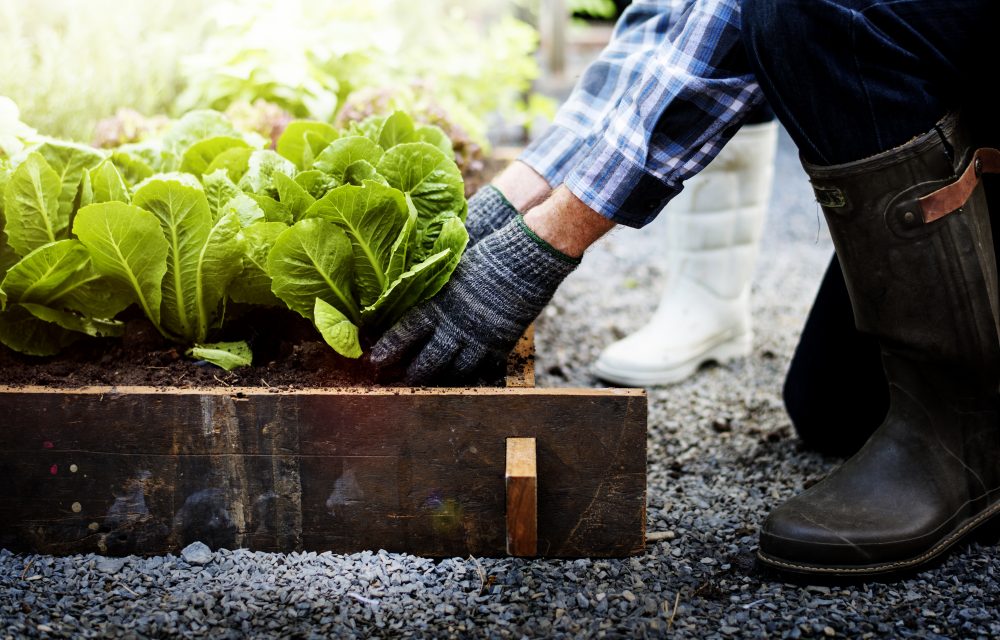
(849, 79)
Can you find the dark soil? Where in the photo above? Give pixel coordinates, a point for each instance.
(287, 355)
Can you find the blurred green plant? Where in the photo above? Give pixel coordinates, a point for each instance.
(308, 58)
(14, 134)
(604, 9)
(69, 63)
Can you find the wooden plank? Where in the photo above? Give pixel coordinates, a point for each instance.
(522, 497)
(148, 471)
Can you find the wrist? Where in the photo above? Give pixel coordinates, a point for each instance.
(566, 224)
(521, 186)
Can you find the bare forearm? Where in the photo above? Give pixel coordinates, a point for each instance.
(566, 223)
(522, 186)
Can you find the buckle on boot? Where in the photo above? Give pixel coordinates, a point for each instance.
(953, 196)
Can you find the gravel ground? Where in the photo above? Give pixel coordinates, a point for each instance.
(721, 454)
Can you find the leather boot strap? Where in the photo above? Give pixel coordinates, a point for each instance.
(953, 196)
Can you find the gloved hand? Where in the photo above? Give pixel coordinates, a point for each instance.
(498, 289)
(489, 210)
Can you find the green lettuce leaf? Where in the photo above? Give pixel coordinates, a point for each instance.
(337, 329)
(407, 290)
(253, 285)
(274, 211)
(195, 126)
(126, 245)
(49, 273)
(343, 152)
(261, 169)
(23, 332)
(132, 168)
(245, 208)
(69, 161)
(200, 155)
(357, 172)
(313, 259)
(372, 216)
(227, 355)
(294, 142)
(428, 176)
(219, 190)
(202, 257)
(104, 183)
(315, 182)
(234, 161)
(94, 327)
(293, 196)
(396, 129)
(435, 136)
(32, 210)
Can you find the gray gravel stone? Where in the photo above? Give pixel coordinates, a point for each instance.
(197, 553)
(109, 565)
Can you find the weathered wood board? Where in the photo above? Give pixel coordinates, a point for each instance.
(146, 471)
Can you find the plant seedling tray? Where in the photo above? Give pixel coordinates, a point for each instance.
(428, 471)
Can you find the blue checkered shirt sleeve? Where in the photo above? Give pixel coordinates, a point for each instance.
(654, 109)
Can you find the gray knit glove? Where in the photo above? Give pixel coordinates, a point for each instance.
(488, 211)
(498, 289)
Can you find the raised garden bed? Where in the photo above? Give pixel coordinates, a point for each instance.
(147, 470)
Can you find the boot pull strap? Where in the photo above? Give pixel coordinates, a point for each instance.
(953, 196)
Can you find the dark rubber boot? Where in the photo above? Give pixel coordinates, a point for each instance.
(928, 292)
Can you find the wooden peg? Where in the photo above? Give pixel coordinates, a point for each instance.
(522, 497)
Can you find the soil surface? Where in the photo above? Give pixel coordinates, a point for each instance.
(288, 354)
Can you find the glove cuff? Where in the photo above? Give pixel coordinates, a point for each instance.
(519, 255)
(545, 245)
(489, 210)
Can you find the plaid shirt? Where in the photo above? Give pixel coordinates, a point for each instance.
(659, 103)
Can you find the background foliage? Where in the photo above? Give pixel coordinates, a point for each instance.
(68, 64)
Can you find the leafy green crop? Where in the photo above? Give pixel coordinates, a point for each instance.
(346, 228)
(386, 234)
(50, 291)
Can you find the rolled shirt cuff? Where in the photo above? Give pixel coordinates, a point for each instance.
(554, 154)
(617, 188)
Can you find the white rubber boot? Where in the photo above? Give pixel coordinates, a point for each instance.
(714, 228)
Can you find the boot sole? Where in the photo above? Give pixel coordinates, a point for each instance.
(881, 569)
(731, 349)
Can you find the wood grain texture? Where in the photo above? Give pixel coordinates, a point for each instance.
(522, 497)
(147, 471)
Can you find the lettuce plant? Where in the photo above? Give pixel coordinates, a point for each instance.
(348, 228)
(50, 292)
(387, 233)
